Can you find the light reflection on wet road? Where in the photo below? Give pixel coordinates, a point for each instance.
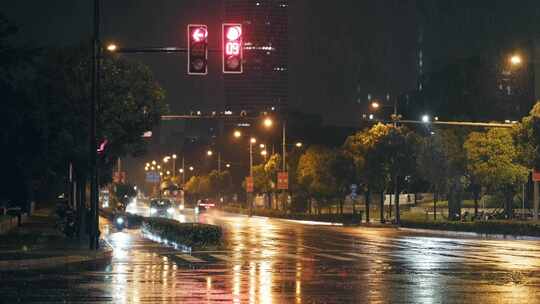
(275, 261)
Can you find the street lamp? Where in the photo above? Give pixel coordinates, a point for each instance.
(209, 152)
(159, 167)
(426, 118)
(191, 168)
(516, 59)
(154, 162)
(375, 105)
(174, 165)
(298, 145)
(253, 140)
(228, 165)
(262, 146)
(268, 122)
(264, 153)
(181, 170)
(237, 134)
(111, 47)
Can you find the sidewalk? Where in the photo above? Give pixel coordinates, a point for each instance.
(37, 244)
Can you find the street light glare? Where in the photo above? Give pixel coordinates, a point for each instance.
(375, 105)
(237, 134)
(268, 122)
(174, 156)
(253, 140)
(425, 118)
(191, 168)
(111, 47)
(264, 153)
(181, 170)
(209, 152)
(154, 162)
(262, 146)
(299, 145)
(228, 165)
(516, 60)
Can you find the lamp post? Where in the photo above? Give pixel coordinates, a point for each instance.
(174, 165)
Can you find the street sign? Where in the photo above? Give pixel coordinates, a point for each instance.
(283, 180)
(536, 176)
(249, 184)
(152, 177)
(354, 187)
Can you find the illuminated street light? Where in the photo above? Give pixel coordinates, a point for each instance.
(264, 153)
(268, 122)
(253, 140)
(168, 172)
(154, 162)
(160, 173)
(375, 105)
(111, 47)
(228, 165)
(174, 156)
(181, 170)
(153, 168)
(262, 146)
(426, 118)
(166, 159)
(371, 116)
(209, 152)
(159, 167)
(237, 134)
(516, 59)
(191, 168)
(298, 145)
(145, 168)
(148, 164)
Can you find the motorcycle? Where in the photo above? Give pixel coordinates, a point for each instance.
(120, 222)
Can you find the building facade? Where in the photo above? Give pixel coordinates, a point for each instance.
(264, 82)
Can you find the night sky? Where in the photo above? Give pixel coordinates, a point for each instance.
(339, 51)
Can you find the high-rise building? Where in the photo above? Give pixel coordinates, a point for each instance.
(264, 82)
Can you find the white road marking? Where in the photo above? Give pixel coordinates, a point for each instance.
(189, 258)
(335, 257)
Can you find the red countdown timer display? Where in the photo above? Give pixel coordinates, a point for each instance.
(232, 48)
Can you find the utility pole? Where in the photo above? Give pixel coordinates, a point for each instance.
(396, 194)
(536, 199)
(96, 54)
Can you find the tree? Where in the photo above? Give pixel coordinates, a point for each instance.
(314, 174)
(433, 166)
(370, 165)
(493, 157)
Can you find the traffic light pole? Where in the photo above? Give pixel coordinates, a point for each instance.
(96, 50)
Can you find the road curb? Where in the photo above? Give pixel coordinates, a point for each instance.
(471, 234)
(50, 262)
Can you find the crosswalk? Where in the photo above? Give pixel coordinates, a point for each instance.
(225, 257)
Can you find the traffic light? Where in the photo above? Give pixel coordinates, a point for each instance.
(197, 49)
(232, 48)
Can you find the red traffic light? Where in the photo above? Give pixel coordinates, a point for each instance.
(232, 48)
(197, 63)
(199, 34)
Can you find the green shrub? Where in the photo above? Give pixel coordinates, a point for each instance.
(333, 218)
(503, 227)
(193, 235)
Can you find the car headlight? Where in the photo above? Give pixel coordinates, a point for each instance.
(196, 209)
(153, 210)
(170, 210)
(120, 221)
(181, 207)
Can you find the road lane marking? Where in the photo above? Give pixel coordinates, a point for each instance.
(295, 257)
(335, 257)
(222, 257)
(190, 258)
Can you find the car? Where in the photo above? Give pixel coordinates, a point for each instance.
(161, 208)
(204, 205)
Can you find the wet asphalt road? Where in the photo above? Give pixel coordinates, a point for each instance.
(275, 261)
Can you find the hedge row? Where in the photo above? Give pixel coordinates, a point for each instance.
(349, 219)
(513, 228)
(193, 235)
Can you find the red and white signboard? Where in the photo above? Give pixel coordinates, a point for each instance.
(283, 180)
(536, 176)
(249, 184)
